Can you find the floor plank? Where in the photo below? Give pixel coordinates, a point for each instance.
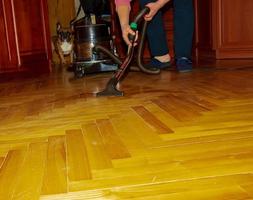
(96, 149)
(55, 176)
(9, 174)
(31, 173)
(77, 160)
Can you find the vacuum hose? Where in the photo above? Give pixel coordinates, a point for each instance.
(98, 48)
(134, 26)
(140, 51)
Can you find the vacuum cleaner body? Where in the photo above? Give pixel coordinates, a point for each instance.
(87, 36)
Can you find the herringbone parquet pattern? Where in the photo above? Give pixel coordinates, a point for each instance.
(172, 136)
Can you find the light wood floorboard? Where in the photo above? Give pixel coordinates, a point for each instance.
(172, 136)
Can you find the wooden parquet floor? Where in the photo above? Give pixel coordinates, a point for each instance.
(172, 136)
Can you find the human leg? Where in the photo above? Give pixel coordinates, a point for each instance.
(156, 36)
(183, 27)
(183, 33)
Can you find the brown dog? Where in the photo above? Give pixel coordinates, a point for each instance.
(63, 43)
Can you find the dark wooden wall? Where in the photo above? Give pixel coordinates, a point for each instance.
(24, 34)
(60, 11)
(224, 28)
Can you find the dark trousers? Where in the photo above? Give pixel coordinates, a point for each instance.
(183, 30)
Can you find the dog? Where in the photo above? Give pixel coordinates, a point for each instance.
(63, 43)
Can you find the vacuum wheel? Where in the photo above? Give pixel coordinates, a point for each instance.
(79, 71)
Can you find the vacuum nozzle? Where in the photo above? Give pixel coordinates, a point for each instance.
(110, 89)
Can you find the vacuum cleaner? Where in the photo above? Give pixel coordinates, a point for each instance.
(111, 89)
(90, 30)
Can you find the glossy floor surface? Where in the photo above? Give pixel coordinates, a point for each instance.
(172, 136)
